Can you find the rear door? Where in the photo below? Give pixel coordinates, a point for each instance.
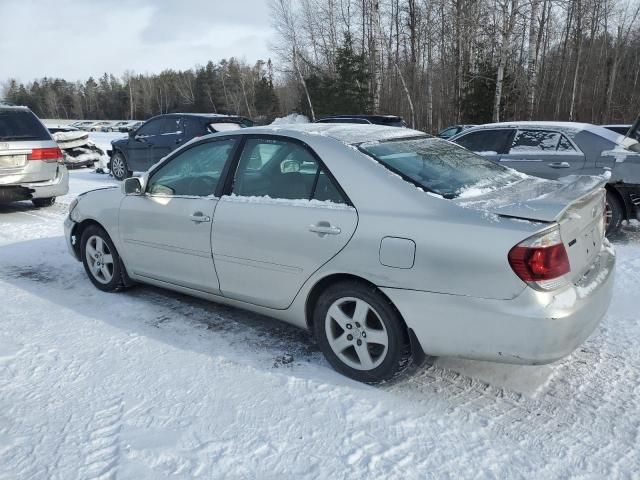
(543, 153)
(490, 143)
(285, 218)
(166, 232)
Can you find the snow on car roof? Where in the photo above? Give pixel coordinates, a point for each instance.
(346, 133)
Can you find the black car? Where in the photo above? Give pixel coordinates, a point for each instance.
(387, 120)
(160, 135)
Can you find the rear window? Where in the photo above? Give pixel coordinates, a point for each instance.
(438, 166)
(21, 125)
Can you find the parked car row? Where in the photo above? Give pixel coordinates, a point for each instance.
(106, 126)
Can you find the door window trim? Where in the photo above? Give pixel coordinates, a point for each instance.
(226, 187)
(175, 154)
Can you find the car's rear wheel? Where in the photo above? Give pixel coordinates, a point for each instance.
(119, 167)
(43, 202)
(360, 333)
(613, 214)
(101, 260)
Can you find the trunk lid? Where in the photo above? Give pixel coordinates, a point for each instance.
(575, 203)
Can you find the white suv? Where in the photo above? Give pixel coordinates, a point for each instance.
(30, 160)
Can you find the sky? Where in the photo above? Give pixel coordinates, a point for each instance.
(75, 39)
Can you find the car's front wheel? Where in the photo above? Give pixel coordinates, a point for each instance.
(360, 333)
(101, 260)
(43, 202)
(119, 167)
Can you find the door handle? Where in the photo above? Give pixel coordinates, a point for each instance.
(559, 165)
(199, 217)
(324, 228)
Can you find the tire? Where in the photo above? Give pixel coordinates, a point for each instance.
(43, 202)
(101, 260)
(119, 167)
(614, 214)
(355, 347)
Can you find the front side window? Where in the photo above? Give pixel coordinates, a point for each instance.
(486, 141)
(535, 141)
(152, 127)
(437, 165)
(283, 170)
(194, 172)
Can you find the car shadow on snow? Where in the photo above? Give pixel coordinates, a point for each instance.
(43, 268)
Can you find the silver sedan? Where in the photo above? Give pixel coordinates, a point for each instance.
(386, 243)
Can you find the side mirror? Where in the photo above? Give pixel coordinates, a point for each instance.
(132, 186)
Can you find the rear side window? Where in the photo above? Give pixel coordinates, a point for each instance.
(283, 170)
(486, 141)
(535, 140)
(21, 125)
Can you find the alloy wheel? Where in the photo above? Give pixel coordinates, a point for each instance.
(99, 259)
(356, 334)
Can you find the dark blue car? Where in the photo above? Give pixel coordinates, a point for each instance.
(162, 134)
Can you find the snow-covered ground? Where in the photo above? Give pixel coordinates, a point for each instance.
(152, 384)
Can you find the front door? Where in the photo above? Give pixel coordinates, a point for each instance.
(543, 153)
(168, 139)
(140, 144)
(166, 232)
(286, 218)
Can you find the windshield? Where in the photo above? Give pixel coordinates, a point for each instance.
(439, 166)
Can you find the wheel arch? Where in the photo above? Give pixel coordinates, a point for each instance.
(325, 282)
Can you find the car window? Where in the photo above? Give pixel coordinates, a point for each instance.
(194, 172)
(486, 141)
(438, 166)
(284, 170)
(152, 127)
(170, 126)
(448, 132)
(565, 145)
(535, 140)
(21, 125)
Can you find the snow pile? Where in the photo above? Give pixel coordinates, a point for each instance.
(290, 119)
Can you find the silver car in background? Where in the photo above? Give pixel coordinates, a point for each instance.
(386, 243)
(557, 149)
(30, 161)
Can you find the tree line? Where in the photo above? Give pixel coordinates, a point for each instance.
(439, 62)
(229, 86)
(434, 62)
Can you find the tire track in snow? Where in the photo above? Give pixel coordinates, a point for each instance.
(101, 451)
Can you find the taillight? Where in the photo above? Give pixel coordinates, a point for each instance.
(46, 154)
(541, 260)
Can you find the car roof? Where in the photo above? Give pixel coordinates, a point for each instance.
(350, 134)
(20, 108)
(569, 128)
(363, 116)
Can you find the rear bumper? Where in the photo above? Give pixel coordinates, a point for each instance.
(56, 187)
(533, 328)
